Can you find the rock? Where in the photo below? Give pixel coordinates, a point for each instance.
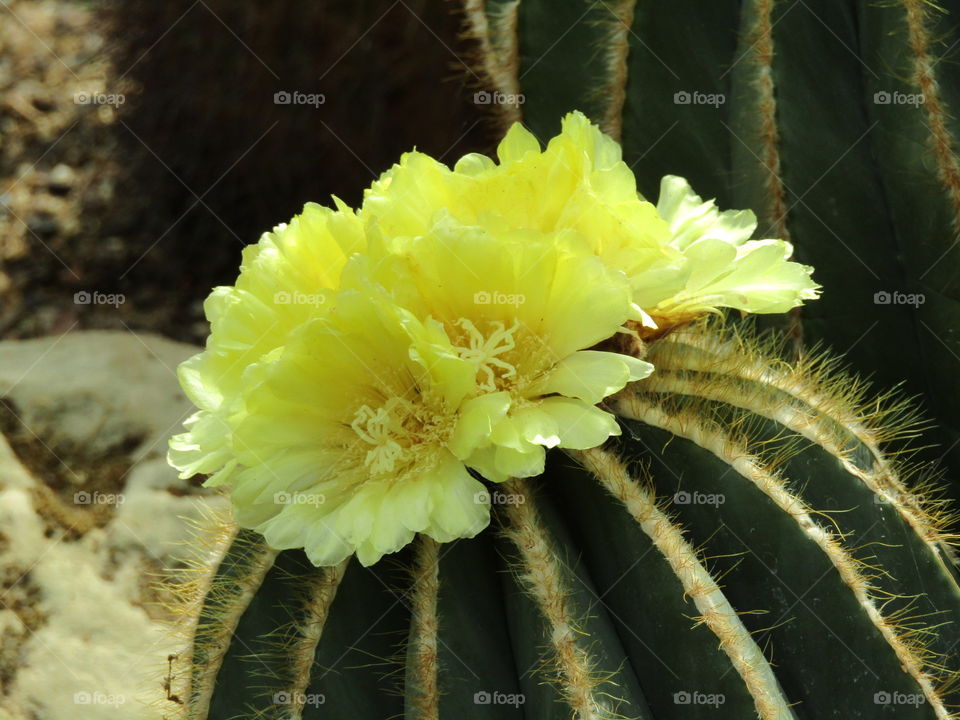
(84, 633)
(93, 651)
(97, 390)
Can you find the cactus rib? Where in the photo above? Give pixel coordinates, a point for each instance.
(710, 436)
(816, 428)
(497, 60)
(422, 690)
(941, 140)
(542, 576)
(320, 593)
(614, 90)
(698, 584)
(822, 404)
(236, 580)
(761, 47)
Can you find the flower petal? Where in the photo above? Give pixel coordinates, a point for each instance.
(591, 375)
(581, 426)
(516, 144)
(476, 421)
(690, 218)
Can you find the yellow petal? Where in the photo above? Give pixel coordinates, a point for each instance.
(516, 143)
(591, 375)
(476, 420)
(581, 426)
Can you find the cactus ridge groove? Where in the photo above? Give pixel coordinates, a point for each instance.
(236, 580)
(693, 424)
(422, 692)
(760, 39)
(493, 27)
(541, 573)
(827, 406)
(320, 591)
(698, 584)
(616, 49)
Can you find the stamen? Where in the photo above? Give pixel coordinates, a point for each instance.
(382, 428)
(483, 351)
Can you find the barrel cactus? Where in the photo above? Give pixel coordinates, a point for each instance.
(494, 450)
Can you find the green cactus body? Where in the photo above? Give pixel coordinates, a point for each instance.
(760, 542)
(745, 548)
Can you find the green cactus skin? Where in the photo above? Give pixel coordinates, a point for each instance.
(824, 584)
(745, 549)
(868, 191)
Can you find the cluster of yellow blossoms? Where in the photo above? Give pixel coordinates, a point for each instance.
(369, 367)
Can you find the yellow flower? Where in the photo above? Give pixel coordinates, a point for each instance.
(285, 280)
(358, 432)
(720, 266)
(368, 369)
(682, 257)
(343, 445)
(348, 425)
(524, 308)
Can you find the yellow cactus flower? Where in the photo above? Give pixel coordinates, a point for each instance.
(720, 265)
(285, 280)
(354, 423)
(343, 444)
(682, 257)
(525, 308)
(359, 431)
(368, 369)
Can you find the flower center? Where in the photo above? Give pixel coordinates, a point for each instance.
(483, 351)
(383, 428)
